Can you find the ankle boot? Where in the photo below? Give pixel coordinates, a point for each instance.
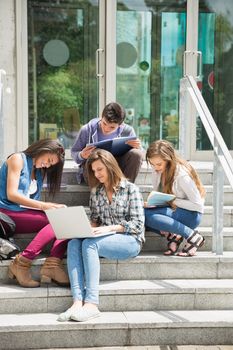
(20, 269)
(52, 270)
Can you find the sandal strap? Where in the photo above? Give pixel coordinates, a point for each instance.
(197, 242)
(175, 240)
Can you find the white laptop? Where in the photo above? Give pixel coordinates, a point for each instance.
(71, 222)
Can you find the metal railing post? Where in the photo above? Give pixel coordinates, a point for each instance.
(2, 73)
(218, 194)
(184, 107)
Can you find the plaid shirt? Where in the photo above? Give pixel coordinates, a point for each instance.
(126, 208)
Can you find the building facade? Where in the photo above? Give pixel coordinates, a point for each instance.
(65, 59)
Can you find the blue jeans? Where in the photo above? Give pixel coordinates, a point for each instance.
(179, 221)
(84, 264)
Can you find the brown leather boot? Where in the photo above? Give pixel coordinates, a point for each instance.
(20, 269)
(52, 270)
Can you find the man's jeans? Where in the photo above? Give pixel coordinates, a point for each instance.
(84, 264)
(179, 221)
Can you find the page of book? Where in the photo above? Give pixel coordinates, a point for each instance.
(159, 199)
(117, 146)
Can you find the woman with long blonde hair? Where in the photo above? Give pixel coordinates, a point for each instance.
(180, 218)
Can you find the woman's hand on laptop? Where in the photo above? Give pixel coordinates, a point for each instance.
(49, 205)
(110, 228)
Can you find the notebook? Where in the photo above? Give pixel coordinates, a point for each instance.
(71, 222)
(117, 146)
(159, 199)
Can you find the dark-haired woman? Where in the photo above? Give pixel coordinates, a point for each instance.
(21, 181)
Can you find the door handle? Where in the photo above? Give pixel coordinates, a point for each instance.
(97, 60)
(199, 65)
(199, 62)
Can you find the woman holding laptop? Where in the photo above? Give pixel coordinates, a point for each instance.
(21, 180)
(116, 207)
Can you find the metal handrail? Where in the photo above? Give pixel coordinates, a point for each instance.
(223, 162)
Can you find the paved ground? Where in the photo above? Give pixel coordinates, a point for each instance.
(162, 347)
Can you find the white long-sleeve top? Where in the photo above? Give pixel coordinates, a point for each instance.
(184, 188)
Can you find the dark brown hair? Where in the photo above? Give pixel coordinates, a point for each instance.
(53, 174)
(114, 113)
(166, 151)
(114, 172)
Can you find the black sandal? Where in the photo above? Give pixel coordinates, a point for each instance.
(172, 238)
(194, 241)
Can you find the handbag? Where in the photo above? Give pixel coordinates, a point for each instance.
(8, 248)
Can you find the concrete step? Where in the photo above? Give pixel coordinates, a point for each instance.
(150, 266)
(136, 295)
(70, 195)
(79, 195)
(227, 198)
(204, 169)
(207, 219)
(154, 242)
(33, 331)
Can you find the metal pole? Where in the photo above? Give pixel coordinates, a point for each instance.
(218, 186)
(2, 72)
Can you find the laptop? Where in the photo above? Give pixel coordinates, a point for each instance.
(72, 222)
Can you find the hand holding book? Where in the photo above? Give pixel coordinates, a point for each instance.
(159, 199)
(117, 146)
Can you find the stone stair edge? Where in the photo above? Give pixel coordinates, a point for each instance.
(125, 319)
(144, 188)
(150, 257)
(206, 230)
(37, 331)
(198, 165)
(125, 287)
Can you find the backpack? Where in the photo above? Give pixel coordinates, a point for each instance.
(8, 248)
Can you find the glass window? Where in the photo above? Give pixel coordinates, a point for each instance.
(63, 37)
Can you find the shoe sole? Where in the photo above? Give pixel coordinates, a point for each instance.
(87, 319)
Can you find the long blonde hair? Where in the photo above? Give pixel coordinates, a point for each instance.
(166, 151)
(114, 172)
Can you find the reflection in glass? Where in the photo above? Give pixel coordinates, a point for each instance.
(63, 37)
(134, 69)
(173, 29)
(148, 88)
(216, 43)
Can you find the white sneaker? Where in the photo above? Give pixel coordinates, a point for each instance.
(66, 316)
(85, 314)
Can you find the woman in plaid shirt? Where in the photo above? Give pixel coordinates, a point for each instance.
(117, 208)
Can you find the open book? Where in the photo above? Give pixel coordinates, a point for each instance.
(159, 199)
(116, 146)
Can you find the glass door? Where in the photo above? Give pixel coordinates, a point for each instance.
(150, 44)
(151, 40)
(215, 41)
(63, 37)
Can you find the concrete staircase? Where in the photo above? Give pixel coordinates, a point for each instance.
(149, 300)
